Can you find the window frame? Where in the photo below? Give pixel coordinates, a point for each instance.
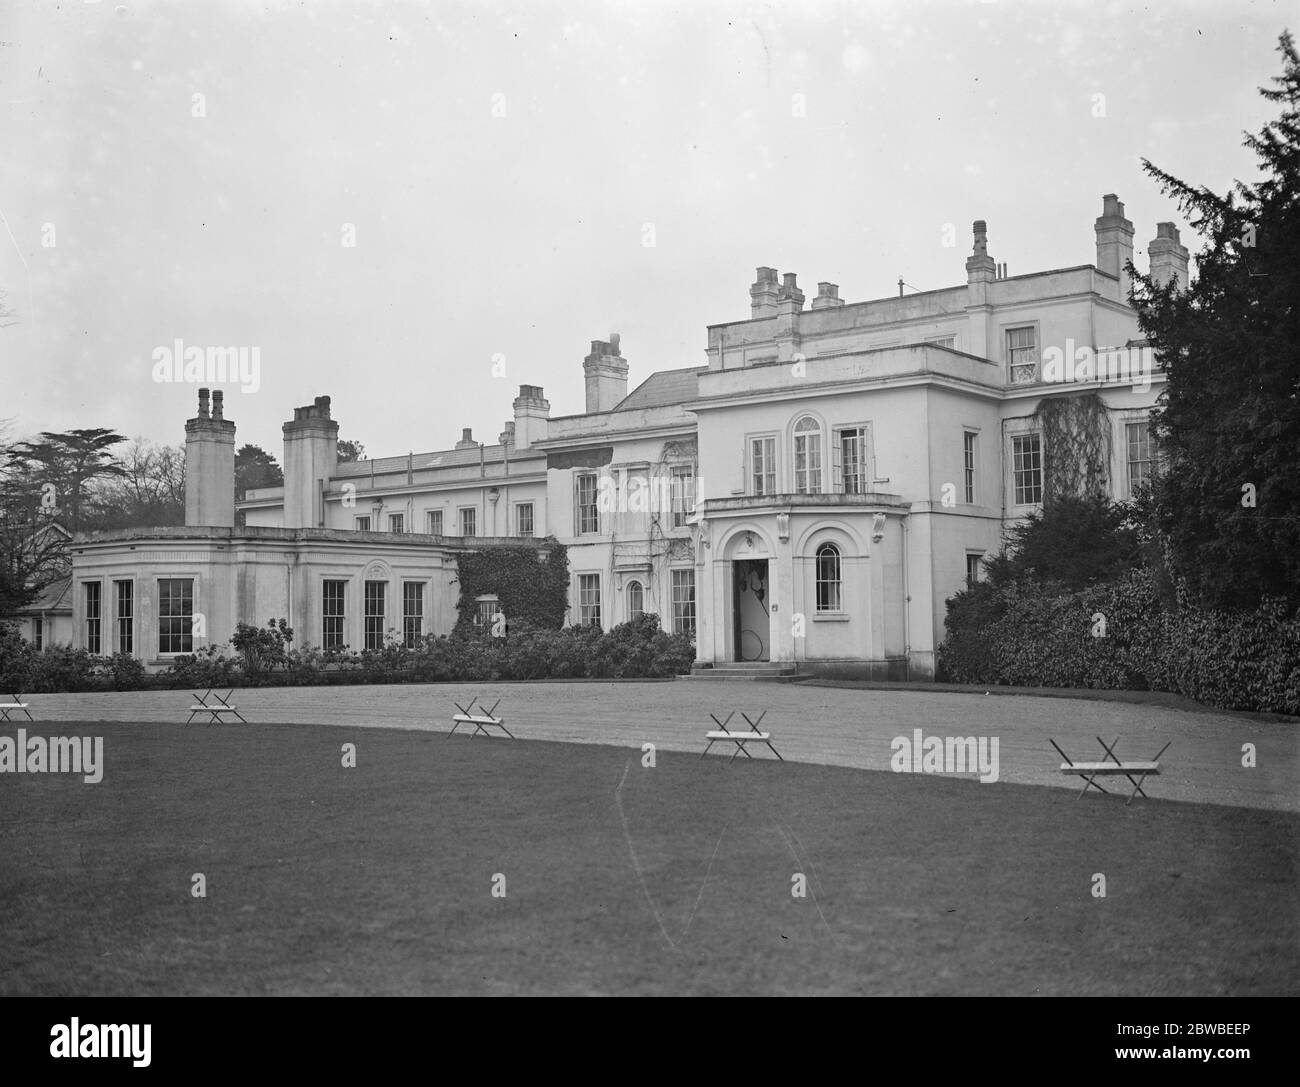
(586, 515)
(806, 448)
(434, 518)
(532, 522)
(969, 462)
(828, 591)
(412, 620)
(327, 635)
(588, 612)
(183, 635)
(372, 623)
(1040, 467)
(685, 608)
(1129, 463)
(1009, 352)
(768, 461)
(124, 636)
(461, 511)
(635, 613)
(682, 491)
(860, 434)
(397, 523)
(93, 619)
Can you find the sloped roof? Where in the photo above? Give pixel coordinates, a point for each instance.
(445, 458)
(56, 596)
(663, 389)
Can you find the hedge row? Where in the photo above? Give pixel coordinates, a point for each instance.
(636, 650)
(1121, 635)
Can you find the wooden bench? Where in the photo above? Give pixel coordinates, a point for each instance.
(482, 721)
(740, 739)
(1090, 771)
(15, 704)
(215, 708)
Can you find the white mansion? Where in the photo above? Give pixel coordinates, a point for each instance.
(810, 497)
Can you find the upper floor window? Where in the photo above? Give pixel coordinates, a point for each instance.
(435, 522)
(397, 522)
(762, 465)
(829, 581)
(968, 463)
(1139, 454)
(363, 524)
(683, 494)
(973, 559)
(807, 456)
(588, 513)
(524, 519)
(1022, 354)
(850, 451)
(1027, 468)
(469, 521)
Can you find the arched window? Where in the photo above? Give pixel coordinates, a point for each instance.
(635, 600)
(829, 581)
(807, 456)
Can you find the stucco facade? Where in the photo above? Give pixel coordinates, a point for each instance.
(811, 497)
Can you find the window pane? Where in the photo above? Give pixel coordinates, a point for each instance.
(469, 521)
(1027, 468)
(93, 601)
(968, 462)
(635, 600)
(412, 612)
(588, 515)
(176, 615)
(524, 519)
(589, 599)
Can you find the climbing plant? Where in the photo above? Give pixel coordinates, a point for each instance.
(1076, 446)
(531, 583)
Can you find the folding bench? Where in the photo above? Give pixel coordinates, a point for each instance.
(482, 721)
(1090, 771)
(740, 739)
(15, 704)
(216, 707)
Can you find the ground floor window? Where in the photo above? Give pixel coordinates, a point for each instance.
(485, 614)
(93, 602)
(972, 567)
(125, 593)
(684, 602)
(374, 614)
(332, 614)
(176, 615)
(829, 580)
(589, 599)
(38, 634)
(412, 612)
(635, 600)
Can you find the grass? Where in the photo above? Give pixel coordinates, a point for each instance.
(325, 880)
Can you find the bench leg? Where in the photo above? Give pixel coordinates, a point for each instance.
(1137, 789)
(706, 750)
(773, 750)
(507, 731)
(1093, 782)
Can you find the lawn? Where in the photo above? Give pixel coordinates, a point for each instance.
(322, 879)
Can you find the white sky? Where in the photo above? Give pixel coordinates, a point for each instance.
(522, 235)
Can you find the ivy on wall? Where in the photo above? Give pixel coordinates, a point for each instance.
(531, 582)
(1076, 446)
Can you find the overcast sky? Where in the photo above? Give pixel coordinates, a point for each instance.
(831, 140)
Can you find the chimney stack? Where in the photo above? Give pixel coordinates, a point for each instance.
(762, 295)
(507, 435)
(532, 416)
(606, 373)
(311, 457)
(980, 267)
(1114, 243)
(209, 467)
(1168, 257)
(828, 296)
(467, 439)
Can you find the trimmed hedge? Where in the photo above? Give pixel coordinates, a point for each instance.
(1023, 635)
(636, 650)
